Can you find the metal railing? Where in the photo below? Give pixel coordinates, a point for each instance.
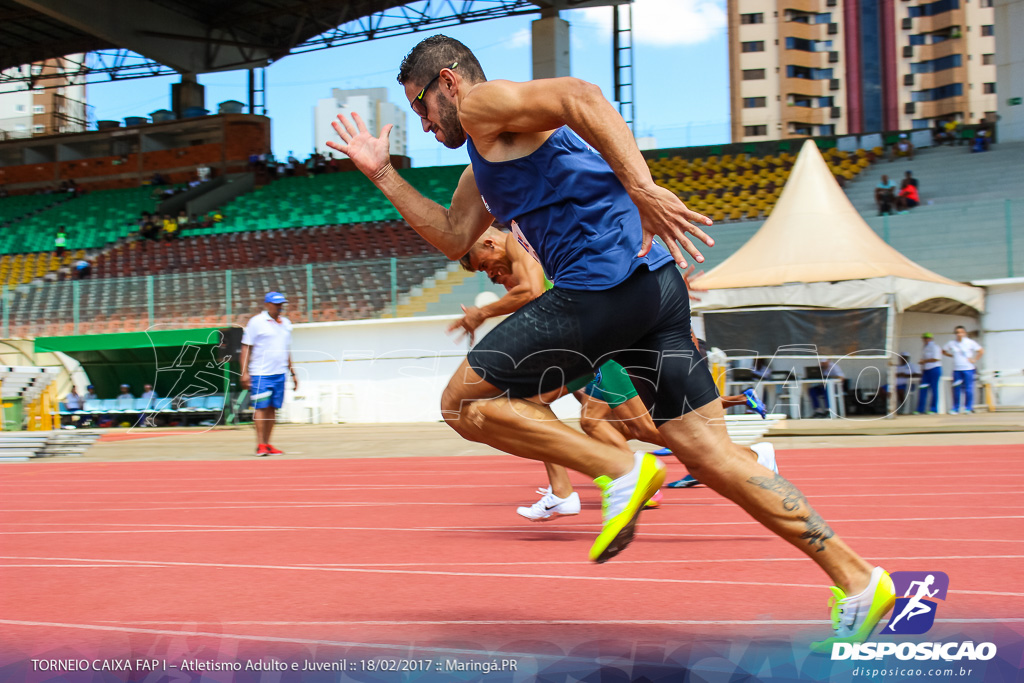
(317, 292)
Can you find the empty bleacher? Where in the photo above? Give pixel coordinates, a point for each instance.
(316, 292)
(92, 221)
(20, 206)
(332, 198)
(19, 269)
(742, 186)
(256, 249)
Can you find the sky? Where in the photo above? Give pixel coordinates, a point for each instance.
(681, 76)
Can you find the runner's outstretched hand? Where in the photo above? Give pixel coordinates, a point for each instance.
(662, 213)
(371, 155)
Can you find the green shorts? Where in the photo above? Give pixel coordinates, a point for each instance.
(611, 384)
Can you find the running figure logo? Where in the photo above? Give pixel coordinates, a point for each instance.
(915, 612)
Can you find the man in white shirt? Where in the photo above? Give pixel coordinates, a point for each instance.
(931, 375)
(266, 358)
(965, 353)
(73, 401)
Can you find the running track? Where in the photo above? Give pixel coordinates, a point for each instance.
(319, 558)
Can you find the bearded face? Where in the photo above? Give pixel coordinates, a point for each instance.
(449, 124)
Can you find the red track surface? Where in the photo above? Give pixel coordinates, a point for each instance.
(198, 558)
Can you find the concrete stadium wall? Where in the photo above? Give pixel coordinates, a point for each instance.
(1003, 337)
(378, 370)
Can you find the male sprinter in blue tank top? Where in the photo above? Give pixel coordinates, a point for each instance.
(553, 159)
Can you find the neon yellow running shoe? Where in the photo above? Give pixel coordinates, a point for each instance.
(855, 617)
(622, 500)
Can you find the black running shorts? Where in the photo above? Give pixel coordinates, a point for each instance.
(642, 323)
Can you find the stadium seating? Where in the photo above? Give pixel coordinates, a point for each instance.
(92, 221)
(291, 246)
(19, 269)
(20, 206)
(742, 187)
(328, 199)
(340, 291)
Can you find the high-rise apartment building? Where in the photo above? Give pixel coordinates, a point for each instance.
(838, 67)
(59, 108)
(371, 104)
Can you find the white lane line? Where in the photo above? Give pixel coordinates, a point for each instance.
(619, 561)
(877, 558)
(931, 493)
(548, 622)
(698, 502)
(410, 649)
(506, 575)
(576, 528)
(88, 566)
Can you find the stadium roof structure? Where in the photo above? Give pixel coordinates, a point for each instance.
(816, 250)
(139, 38)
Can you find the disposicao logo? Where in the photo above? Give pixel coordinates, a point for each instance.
(914, 613)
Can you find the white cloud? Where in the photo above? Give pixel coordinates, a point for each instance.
(664, 22)
(520, 38)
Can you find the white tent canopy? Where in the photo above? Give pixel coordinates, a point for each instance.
(815, 250)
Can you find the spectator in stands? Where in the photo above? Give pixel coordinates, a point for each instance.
(73, 189)
(953, 130)
(202, 173)
(60, 241)
(903, 148)
(909, 177)
(266, 358)
(90, 394)
(885, 195)
(817, 392)
(908, 197)
(157, 179)
(982, 137)
(170, 227)
(73, 401)
(148, 393)
(147, 228)
(183, 222)
(83, 269)
(940, 136)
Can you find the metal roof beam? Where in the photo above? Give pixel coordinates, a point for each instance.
(132, 24)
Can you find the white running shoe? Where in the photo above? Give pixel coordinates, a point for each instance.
(551, 506)
(766, 455)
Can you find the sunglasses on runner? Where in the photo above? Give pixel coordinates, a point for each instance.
(417, 102)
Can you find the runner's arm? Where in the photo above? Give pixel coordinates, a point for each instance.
(528, 274)
(453, 230)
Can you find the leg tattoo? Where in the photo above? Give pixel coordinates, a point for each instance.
(818, 531)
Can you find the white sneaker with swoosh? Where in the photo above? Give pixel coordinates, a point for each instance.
(551, 506)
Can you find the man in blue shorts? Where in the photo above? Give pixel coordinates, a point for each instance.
(266, 359)
(553, 159)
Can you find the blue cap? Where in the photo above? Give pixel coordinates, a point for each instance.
(275, 298)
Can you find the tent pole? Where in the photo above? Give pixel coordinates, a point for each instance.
(890, 354)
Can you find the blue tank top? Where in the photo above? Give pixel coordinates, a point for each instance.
(569, 210)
